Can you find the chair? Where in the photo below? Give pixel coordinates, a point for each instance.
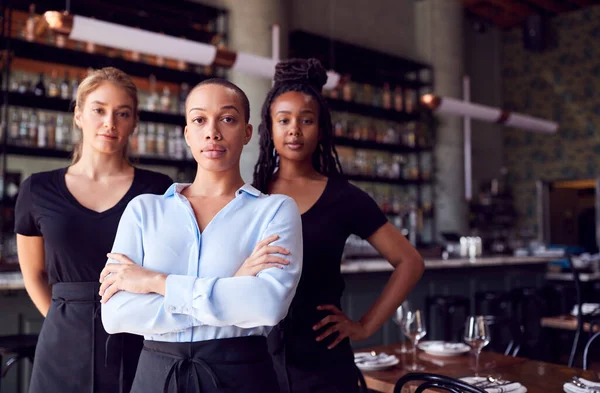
(587, 349)
(496, 303)
(578, 304)
(19, 346)
(436, 381)
(513, 329)
(452, 310)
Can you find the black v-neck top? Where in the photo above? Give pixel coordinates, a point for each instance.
(343, 209)
(76, 239)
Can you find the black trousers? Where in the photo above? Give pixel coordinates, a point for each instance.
(240, 364)
(71, 354)
(304, 367)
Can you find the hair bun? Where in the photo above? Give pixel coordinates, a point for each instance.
(301, 71)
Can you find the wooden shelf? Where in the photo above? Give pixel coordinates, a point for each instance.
(29, 100)
(372, 145)
(65, 154)
(376, 179)
(371, 111)
(363, 64)
(71, 57)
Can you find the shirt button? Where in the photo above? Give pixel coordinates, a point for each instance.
(186, 310)
(172, 308)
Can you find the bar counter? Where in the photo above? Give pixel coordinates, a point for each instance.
(14, 280)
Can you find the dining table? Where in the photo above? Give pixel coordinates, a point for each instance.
(536, 376)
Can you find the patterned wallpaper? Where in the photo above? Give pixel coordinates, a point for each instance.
(562, 84)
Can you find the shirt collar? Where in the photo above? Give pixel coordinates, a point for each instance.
(176, 188)
(248, 189)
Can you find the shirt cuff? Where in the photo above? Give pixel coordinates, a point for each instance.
(179, 292)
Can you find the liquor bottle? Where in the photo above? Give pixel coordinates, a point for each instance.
(165, 100)
(151, 139)
(42, 132)
(13, 132)
(53, 86)
(161, 141)
(51, 130)
(65, 92)
(23, 128)
(40, 86)
(60, 133)
(74, 88)
(153, 98)
(387, 96)
(142, 139)
(184, 90)
(398, 102)
(33, 125)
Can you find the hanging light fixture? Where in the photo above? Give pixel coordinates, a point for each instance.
(453, 106)
(85, 29)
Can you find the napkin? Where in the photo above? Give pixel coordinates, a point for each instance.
(500, 387)
(368, 360)
(569, 387)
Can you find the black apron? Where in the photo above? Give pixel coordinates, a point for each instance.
(71, 354)
(304, 365)
(229, 365)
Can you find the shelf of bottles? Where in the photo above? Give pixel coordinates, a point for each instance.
(41, 119)
(384, 150)
(394, 104)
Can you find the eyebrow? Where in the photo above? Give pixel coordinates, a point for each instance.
(222, 108)
(289, 112)
(119, 107)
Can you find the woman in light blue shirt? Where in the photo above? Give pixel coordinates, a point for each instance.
(206, 270)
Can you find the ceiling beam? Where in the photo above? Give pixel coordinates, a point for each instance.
(503, 20)
(583, 3)
(520, 9)
(550, 5)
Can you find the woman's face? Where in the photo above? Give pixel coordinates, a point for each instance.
(295, 125)
(216, 129)
(107, 119)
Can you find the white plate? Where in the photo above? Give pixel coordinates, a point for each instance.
(367, 362)
(441, 348)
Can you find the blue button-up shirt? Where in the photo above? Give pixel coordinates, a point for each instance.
(202, 300)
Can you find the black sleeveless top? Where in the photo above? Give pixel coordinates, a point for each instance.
(342, 210)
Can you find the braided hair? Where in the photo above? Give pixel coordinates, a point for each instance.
(305, 76)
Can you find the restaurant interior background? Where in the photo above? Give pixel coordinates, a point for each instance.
(499, 238)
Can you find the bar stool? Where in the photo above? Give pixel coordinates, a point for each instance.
(18, 346)
(496, 303)
(449, 314)
(527, 310)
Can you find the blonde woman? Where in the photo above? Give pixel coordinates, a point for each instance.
(66, 221)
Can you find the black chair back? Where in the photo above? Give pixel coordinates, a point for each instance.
(510, 330)
(436, 381)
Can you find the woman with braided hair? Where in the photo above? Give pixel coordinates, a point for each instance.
(311, 346)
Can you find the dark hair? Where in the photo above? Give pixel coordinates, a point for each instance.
(305, 76)
(225, 83)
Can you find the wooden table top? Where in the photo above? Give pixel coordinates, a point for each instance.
(537, 377)
(564, 322)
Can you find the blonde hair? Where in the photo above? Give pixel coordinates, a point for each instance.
(91, 82)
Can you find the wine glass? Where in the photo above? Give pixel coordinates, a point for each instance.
(398, 318)
(413, 326)
(477, 336)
